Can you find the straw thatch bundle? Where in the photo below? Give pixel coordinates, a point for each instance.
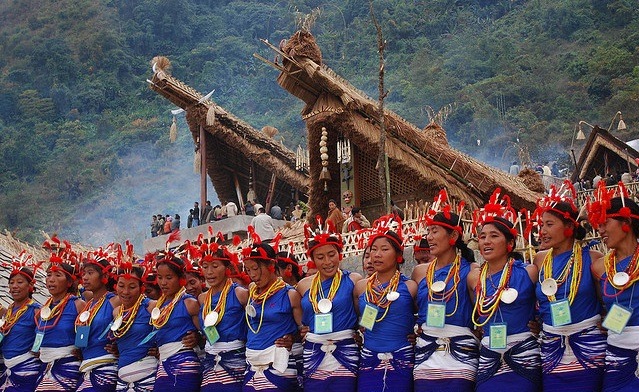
(532, 179)
(302, 44)
(270, 131)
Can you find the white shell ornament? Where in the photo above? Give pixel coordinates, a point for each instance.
(620, 278)
(509, 295)
(45, 313)
(250, 310)
(211, 319)
(155, 314)
(392, 296)
(84, 316)
(325, 305)
(438, 287)
(549, 286)
(117, 323)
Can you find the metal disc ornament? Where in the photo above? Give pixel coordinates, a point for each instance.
(45, 313)
(392, 296)
(117, 323)
(155, 314)
(84, 316)
(620, 278)
(211, 319)
(250, 310)
(325, 305)
(509, 295)
(438, 287)
(549, 286)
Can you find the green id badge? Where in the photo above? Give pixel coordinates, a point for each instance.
(323, 323)
(1, 337)
(498, 336)
(37, 342)
(369, 316)
(211, 333)
(82, 336)
(617, 318)
(148, 337)
(436, 314)
(560, 313)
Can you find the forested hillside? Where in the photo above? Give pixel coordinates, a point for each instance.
(84, 143)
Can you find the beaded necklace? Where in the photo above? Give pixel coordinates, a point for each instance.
(444, 295)
(220, 306)
(255, 298)
(486, 305)
(91, 308)
(316, 292)
(165, 312)
(55, 312)
(631, 271)
(11, 318)
(128, 317)
(378, 295)
(574, 264)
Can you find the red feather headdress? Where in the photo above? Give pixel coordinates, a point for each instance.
(496, 208)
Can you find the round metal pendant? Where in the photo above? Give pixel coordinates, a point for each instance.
(45, 313)
(211, 319)
(325, 305)
(438, 287)
(509, 295)
(549, 286)
(392, 296)
(250, 310)
(155, 314)
(84, 316)
(117, 323)
(620, 278)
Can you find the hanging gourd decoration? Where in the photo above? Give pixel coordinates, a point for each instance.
(324, 174)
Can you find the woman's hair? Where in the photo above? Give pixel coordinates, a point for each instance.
(564, 212)
(175, 264)
(504, 226)
(329, 240)
(615, 207)
(27, 274)
(285, 259)
(455, 221)
(100, 265)
(135, 272)
(262, 252)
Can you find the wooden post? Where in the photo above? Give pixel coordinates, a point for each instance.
(269, 195)
(203, 173)
(238, 191)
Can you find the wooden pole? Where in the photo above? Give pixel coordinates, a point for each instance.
(238, 191)
(203, 173)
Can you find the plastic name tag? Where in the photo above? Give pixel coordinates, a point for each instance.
(1, 337)
(617, 318)
(211, 334)
(436, 314)
(148, 337)
(106, 330)
(498, 336)
(560, 313)
(323, 323)
(37, 342)
(82, 336)
(369, 316)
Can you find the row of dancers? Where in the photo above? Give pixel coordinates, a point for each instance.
(565, 322)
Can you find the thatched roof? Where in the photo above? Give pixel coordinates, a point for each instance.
(420, 164)
(604, 151)
(234, 146)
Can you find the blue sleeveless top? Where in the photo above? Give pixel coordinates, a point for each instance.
(628, 298)
(461, 317)
(20, 339)
(232, 326)
(517, 314)
(586, 304)
(100, 323)
(63, 334)
(180, 322)
(129, 345)
(277, 321)
(391, 333)
(344, 316)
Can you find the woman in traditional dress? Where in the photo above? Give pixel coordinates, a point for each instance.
(386, 308)
(331, 354)
(136, 368)
(273, 314)
(17, 331)
(288, 268)
(367, 264)
(175, 315)
(617, 220)
(446, 352)
(55, 330)
(222, 320)
(566, 286)
(504, 304)
(99, 367)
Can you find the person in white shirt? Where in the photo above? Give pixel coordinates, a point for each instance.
(263, 225)
(231, 209)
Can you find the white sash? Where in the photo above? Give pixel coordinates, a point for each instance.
(570, 329)
(167, 350)
(11, 362)
(89, 364)
(628, 338)
(222, 347)
(274, 356)
(138, 370)
(50, 354)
